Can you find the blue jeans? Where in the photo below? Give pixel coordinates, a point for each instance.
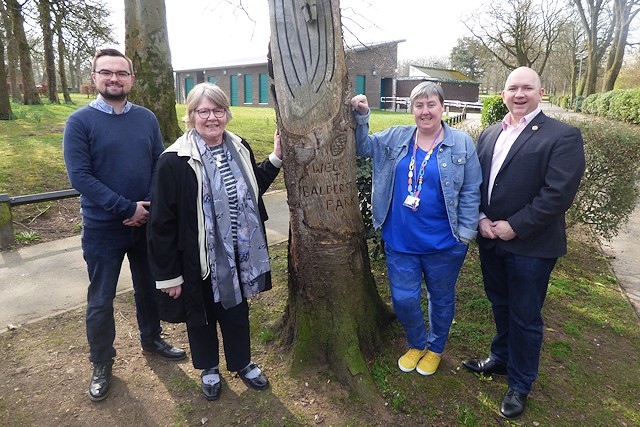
(104, 251)
(516, 285)
(440, 271)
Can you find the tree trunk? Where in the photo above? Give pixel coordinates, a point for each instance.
(44, 7)
(61, 64)
(30, 93)
(5, 105)
(334, 314)
(623, 16)
(147, 44)
(12, 54)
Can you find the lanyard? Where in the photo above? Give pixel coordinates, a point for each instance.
(413, 191)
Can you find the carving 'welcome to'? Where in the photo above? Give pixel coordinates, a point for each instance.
(337, 177)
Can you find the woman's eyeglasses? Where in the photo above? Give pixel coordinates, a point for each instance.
(205, 113)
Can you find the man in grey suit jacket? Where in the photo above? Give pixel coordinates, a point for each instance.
(532, 166)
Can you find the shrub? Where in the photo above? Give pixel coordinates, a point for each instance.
(577, 103)
(625, 106)
(589, 103)
(602, 104)
(493, 110)
(364, 169)
(608, 191)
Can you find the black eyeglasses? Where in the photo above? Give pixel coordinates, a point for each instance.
(205, 113)
(108, 74)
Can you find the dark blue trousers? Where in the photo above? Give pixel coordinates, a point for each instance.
(516, 285)
(104, 251)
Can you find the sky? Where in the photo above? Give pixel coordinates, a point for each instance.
(211, 31)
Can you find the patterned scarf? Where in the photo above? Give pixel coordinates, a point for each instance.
(248, 255)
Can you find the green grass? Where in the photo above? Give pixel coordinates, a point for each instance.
(31, 146)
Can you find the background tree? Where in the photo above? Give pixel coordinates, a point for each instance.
(597, 22)
(62, 51)
(630, 74)
(518, 32)
(5, 105)
(147, 44)
(334, 314)
(30, 93)
(44, 9)
(12, 53)
(624, 11)
(469, 57)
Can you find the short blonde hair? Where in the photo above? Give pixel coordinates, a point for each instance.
(201, 91)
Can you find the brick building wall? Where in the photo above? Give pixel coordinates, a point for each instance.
(371, 67)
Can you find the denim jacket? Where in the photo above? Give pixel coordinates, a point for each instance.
(460, 173)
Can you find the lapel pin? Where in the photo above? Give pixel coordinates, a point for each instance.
(534, 127)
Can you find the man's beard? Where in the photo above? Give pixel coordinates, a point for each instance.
(113, 97)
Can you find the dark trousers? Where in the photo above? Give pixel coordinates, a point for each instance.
(234, 325)
(104, 251)
(516, 285)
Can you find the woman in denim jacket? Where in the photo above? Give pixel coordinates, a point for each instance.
(426, 194)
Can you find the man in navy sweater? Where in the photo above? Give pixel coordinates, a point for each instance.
(110, 150)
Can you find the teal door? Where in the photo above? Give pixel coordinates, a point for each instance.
(360, 85)
(233, 83)
(248, 89)
(188, 85)
(212, 79)
(264, 88)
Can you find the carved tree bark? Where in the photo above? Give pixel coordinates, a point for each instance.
(147, 44)
(334, 314)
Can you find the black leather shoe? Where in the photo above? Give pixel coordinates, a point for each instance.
(164, 349)
(259, 383)
(100, 381)
(513, 404)
(211, 391)
(486, 367)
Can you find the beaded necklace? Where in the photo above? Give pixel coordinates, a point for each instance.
(413, 191)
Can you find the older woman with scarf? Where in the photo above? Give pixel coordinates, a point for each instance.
(207, 241)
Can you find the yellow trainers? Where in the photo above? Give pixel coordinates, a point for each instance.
(409, 360)
(429, 363)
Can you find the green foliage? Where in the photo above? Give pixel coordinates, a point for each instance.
(608, 192)
(364, 184)
(589, 103)
(493, 110)
(625, 105)
(27, 236)
(577, 103)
